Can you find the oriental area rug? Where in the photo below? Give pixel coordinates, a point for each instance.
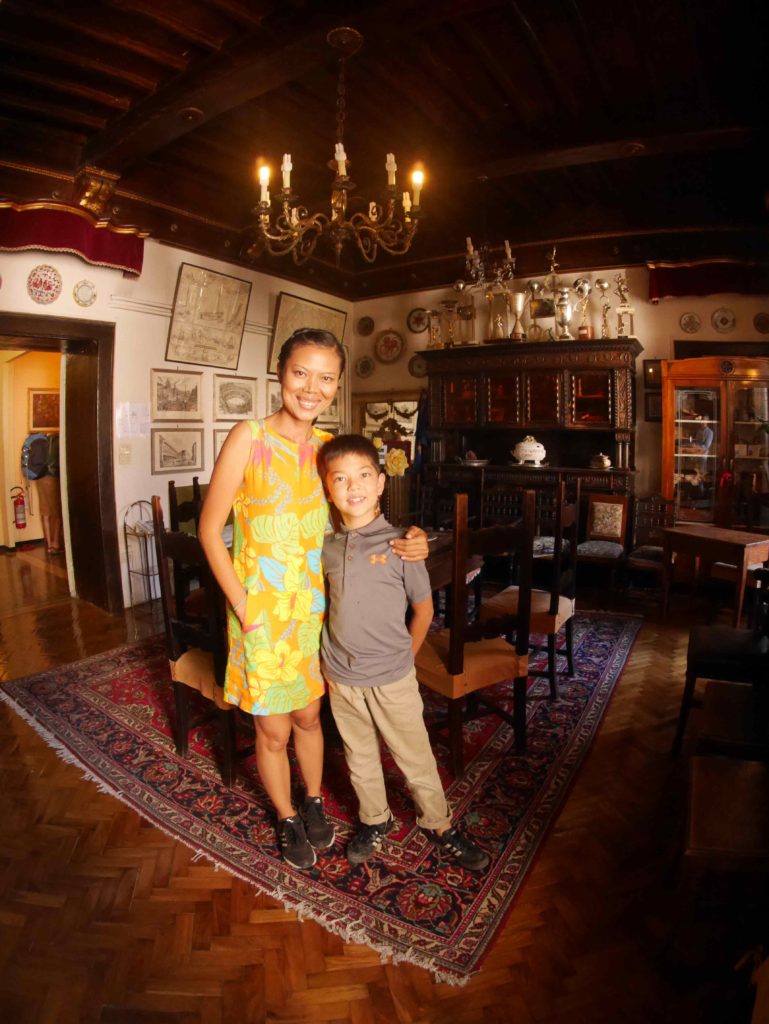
(112, 715)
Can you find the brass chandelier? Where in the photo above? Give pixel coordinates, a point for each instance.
(390, 224)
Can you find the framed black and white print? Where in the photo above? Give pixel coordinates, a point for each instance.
(176, 450)
(176, 395)
(273, 396)
(208, 317)
(234, 397)
(292, 313)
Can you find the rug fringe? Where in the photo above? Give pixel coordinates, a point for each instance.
(303, 910)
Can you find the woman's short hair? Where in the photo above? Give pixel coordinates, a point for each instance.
(310, 336)
(347, 444)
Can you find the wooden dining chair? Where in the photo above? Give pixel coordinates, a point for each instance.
(472, 657)
(197, 646)
(728, 654)
(651, 515)
(184, 506)
(605, 533)
(552, 609)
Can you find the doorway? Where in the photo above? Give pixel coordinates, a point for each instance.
(88, 350)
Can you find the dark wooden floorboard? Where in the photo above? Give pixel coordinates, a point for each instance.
(105, 919)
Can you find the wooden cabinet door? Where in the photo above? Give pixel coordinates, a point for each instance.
(542, 398)
(590, 398)
(503, 399)
(460, 396)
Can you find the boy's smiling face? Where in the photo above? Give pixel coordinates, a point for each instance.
(354, 485)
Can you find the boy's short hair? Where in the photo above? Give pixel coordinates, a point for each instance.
(347, 444)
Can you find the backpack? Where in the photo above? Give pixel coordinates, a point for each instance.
(34, 456)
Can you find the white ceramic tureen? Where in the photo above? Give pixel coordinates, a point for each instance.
(529, 450)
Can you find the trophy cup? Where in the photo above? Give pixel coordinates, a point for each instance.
(518, 333)
(450, 323)
(624, 309)
(583, 288)
(563, 312)
(602, 285)
(535, 332)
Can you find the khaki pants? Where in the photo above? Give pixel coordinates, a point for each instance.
(394, 712)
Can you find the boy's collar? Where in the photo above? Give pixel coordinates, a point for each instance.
(376, 524)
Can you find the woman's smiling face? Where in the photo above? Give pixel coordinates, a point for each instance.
(309, 381)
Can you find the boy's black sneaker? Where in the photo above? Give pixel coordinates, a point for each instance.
(319, 830)
(368, 841)
(293, 843)
(464, 850)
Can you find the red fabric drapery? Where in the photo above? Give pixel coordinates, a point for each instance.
(707, 277)
(67, 230)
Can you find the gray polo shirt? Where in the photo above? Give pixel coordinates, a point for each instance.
(365, 640)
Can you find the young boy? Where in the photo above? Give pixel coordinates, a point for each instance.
(367, 654)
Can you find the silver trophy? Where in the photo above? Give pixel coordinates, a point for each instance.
(563, 314)
(583, 288)
(624, 309)
(603, 286)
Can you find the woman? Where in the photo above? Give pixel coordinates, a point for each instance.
(267, 474)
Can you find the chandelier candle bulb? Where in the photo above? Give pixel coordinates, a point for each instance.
(469, 246)
(391, 167)
(417, 180)
(508, 254)
(341, 159)
(406, 202)
(264, 181)
(286, 168)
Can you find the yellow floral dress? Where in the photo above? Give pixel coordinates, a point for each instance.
(280, 517)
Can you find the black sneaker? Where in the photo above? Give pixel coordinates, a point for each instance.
(461, 848)
(319, 830)
(293, 843)
(367, 841)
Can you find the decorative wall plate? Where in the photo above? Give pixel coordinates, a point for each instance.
(417, 320)
(44, 284)
(388, 346)
(761, 323)
(723, 320)
(365, 326)
(690, 323)
(364, 366)
(84, 293)
(418, 366)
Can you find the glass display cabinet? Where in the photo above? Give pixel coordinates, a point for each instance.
(715, 444)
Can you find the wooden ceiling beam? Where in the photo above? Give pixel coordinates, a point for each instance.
(86, 19)
(35, 77)
(704, 141)
(55, 112)
(192, 22)
(250, 13)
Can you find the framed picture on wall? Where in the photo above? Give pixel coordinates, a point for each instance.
(176, 395)
(274, 399)
(653, 406)
(176, 450)
(653, 374)
(208, 317)
(43, 409)
(291, 313)
(234, 397)
(220, 436)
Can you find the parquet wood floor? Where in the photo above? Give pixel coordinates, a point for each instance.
(106, 920)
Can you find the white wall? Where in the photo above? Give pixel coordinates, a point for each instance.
(656, 327)
(141, 310)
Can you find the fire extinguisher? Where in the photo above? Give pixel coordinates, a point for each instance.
(19, 508)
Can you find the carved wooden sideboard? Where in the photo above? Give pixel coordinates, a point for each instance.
(575, 397)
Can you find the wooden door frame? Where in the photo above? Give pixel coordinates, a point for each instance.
(95, 338)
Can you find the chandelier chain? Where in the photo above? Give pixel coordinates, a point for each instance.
(341, 100)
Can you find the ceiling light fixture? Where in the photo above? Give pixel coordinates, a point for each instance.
(390, 224)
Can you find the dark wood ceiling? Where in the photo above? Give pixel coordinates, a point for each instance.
(623, 131)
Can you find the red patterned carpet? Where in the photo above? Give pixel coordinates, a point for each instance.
(111, 715)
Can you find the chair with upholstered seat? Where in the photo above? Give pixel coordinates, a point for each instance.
(605, 533)
(651, 515)
(197, 646)
(728, 654)
(551, 609)
(470, 658)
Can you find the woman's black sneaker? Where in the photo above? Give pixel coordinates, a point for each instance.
(462, 849)
(368, 841)
(293, 843)
(319, 830)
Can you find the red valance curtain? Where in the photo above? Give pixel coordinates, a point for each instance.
(74, 231)
(707, 277)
